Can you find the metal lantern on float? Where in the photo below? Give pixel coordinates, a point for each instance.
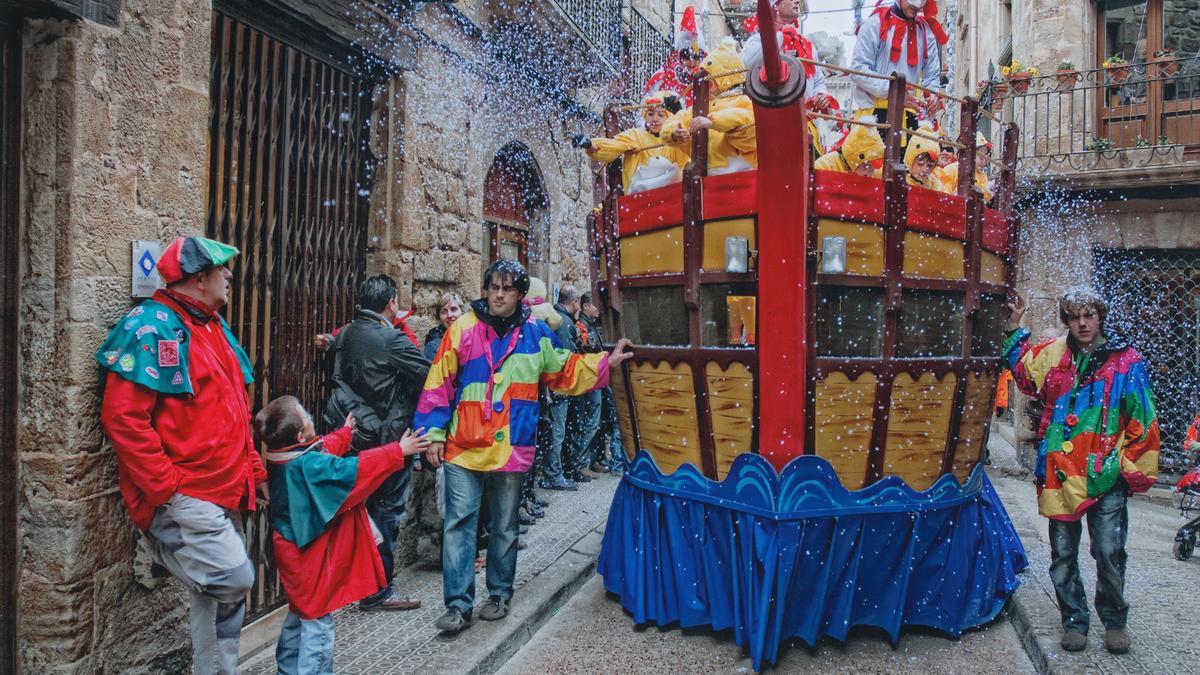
(805, 414)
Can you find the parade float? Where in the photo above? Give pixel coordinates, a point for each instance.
(806, 412)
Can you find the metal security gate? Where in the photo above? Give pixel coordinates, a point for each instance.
(1154, 298)
(287, 163)
(10, 135)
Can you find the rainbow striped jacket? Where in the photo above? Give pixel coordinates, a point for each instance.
(481, 395)
(1099, 424)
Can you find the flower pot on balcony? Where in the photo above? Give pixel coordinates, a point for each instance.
(1020, 82)
(999, 93)
(1066, 79)
(1154, 155)
(1108, 159)
(1166, 66)
(1118, 74)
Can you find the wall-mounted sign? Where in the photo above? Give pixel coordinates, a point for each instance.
(145, 279)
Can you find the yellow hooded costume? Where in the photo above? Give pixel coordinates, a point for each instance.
(863, 144)
(658, 163)
(918, 146)
(948, 174)
(732, 145)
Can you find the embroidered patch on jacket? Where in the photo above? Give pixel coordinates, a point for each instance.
(127, 363)
(145, 329)
(152, 372)
(178, 379)
(160, 315)
(168, 353)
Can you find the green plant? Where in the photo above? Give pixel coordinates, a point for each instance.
(1066, 64)
(1141, 142)
(1114, 61)
(1100, 145)
(1018, 69)
(1163, 140)
(1165, 52)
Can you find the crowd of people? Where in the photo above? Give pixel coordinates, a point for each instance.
(899, 37)
(504, 389)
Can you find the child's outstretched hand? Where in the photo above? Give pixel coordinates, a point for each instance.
(350, 422)
(413, 442)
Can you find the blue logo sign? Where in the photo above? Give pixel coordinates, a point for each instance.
(147, 263)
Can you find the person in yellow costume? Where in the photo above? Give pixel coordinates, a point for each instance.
(647, 162)
(732, 146)
(862, 147)
(921, 156)
(948, 175)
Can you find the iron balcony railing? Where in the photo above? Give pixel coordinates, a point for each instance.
(648, 50)
(1132, 115)
(598, 22)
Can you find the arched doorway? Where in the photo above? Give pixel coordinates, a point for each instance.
(515, 208)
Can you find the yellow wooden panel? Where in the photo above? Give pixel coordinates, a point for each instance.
(930, 257)
(991, 268)
(976, 413)
(601, 266)
(715, 232)
(844, 423)
(624, 421)
(655, 252)
(665, 400)
(731, 400)
(864, 245)
(918, 422)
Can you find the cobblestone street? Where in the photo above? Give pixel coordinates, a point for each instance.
(407, 642)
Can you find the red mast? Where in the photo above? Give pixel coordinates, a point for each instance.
(783, 177)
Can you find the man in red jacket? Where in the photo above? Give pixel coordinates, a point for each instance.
(175, 408)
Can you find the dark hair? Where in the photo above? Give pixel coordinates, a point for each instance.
(567, 294)
(375, 293)
(586, 298)
(1077, 299)
(508, 270)
(280, 422)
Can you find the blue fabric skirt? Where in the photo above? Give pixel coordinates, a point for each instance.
(773, 556)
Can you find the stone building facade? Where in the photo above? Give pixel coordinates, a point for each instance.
(114, 106)
(1110, 177)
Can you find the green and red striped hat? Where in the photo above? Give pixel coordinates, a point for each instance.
(188, 255)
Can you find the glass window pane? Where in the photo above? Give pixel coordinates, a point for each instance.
(1125, 34)
(655, 316)
(931, 324)
(849, 321)
(989, 326)
(510, 250)
(1182, 34)
(727, 314)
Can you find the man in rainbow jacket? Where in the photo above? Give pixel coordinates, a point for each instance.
(1098, 443)
(480, 407)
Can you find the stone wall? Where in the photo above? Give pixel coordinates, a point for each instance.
(114, 150)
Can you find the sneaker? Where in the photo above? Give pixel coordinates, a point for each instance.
(453, 622)
(563, 484)
(1074, 641)
(541, 503)
(495, 609)
(581, 477)
(597, 467)
(534, 510)
(1116, 640)
(525, 518)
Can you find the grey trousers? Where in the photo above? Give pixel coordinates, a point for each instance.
(201, 545)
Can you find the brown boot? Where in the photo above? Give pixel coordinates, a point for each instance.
(1073, 640)
(1116, 640)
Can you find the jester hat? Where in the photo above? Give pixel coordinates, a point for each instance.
(190, 255)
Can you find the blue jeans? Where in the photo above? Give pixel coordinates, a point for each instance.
(1108, 526)
(386, 507)
(305, 647)
(558, 409)
(584, 423)
(465, 491)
